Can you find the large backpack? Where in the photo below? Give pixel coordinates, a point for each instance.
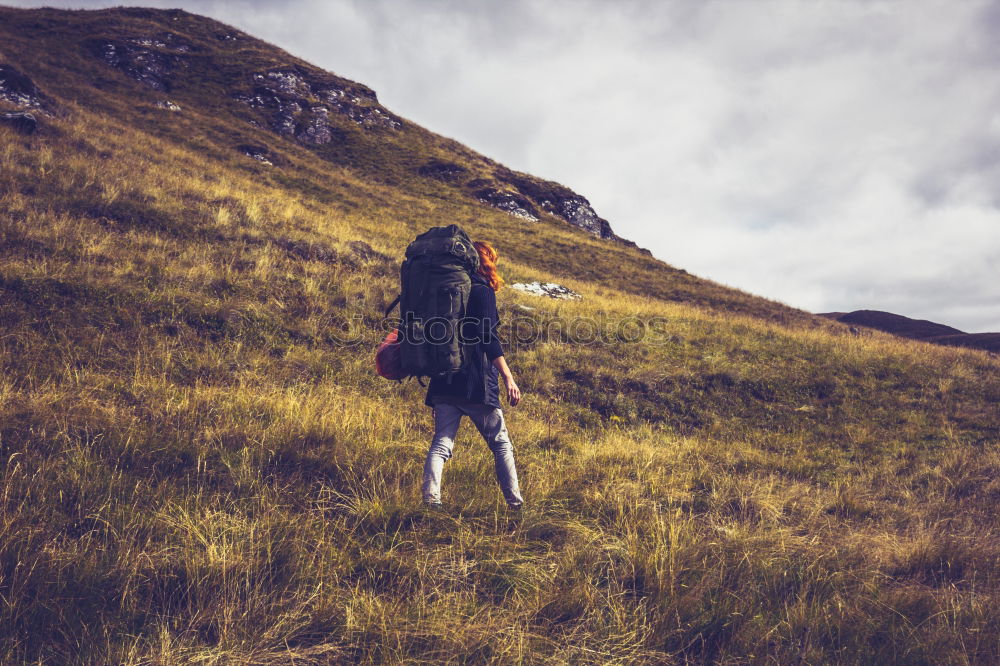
(434, 292)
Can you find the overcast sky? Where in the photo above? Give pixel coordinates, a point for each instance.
(834, 155)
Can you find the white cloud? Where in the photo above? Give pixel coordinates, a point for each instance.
(833, 155)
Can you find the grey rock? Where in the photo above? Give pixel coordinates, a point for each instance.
(550, 289)
(562, 202)
(317, 131)
(288, 82)
(357, 94)
(21, 121)
(256, 99)
(509, 202)
(167, 40)
(369, 116)
(146, 65)
(577, 211)
(558, 200)
(285, 93)
(283, 110)
(284, 123)
(262, 154)
(17, 88)
(168, 105)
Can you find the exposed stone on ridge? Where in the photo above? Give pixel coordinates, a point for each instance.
(312, 107)
(317, 131)
(289, 83)
(509, 202)
(558, 200)
(18, 89)
(369, 116)
(146, 65)
(167, 40)
(299, 103)
(262, 154)
(550, 289)
(22, 122)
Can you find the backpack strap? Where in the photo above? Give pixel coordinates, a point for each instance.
(394, 303)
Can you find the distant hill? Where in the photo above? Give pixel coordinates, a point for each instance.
(918, 329)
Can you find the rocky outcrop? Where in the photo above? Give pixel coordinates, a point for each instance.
(317, 130)
(282, 111)
(299, 103)
(509, 202)
(20, 121)
(18, 89)
(558, 200)
(262, 154)
(532, 195)
(167, 40)
(286, 82)
(303, 103)
(562, 202)
(550, 289)
(142, 59)
(356, 102)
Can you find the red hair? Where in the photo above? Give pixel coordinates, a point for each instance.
(488, 264)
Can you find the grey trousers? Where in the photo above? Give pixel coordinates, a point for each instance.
(489, 421)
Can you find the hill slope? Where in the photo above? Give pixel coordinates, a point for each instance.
(199, 464)
(918, 329)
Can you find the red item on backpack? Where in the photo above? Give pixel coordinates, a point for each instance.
(388, 359)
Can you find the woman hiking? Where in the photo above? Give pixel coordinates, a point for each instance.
(468, 393)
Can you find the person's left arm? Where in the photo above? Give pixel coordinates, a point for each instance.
(490, 344)
(513, 392)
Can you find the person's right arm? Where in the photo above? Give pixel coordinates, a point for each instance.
(513, 392)
(489, 341)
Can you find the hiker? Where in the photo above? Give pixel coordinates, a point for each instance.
(469, 393)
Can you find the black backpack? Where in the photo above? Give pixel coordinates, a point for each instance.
(434, 292)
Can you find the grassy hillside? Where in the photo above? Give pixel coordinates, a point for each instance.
(198, 464)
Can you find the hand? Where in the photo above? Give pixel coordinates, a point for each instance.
(513, 393)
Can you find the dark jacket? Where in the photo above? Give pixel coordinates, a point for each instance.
(479, 327)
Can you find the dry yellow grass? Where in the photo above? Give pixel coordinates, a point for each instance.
(194, 470)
